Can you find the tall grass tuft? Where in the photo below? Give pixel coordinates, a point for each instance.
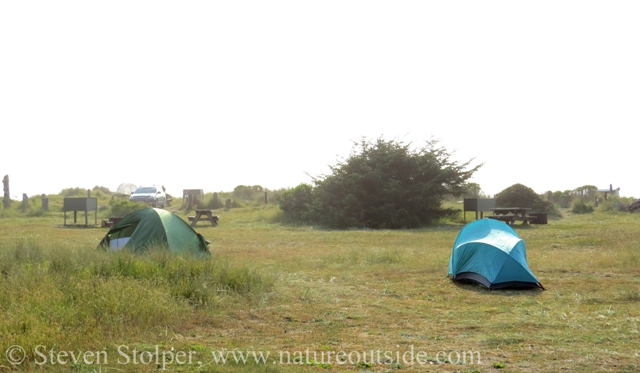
(70, 297)
(200, 281)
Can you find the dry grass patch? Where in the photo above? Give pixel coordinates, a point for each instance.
(323, 291)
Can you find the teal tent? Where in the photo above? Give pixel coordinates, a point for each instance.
(491, 253)
(152, 227)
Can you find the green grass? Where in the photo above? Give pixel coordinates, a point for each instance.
(302, 292)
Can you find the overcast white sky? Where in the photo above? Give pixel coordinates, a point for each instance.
(213, 94)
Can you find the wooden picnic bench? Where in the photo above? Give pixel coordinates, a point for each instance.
(510, 215)
(204, 214)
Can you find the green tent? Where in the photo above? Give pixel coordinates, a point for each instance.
(491, 253)
(153, 227)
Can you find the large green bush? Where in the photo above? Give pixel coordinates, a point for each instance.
(519, 195)
(383, 184)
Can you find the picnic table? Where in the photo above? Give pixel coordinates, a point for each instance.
(204, 214)
(510, 215)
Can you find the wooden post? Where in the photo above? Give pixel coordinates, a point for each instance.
(88, 193)
(6, 200)
(45, 203)
(25, 201)
(266, 198)
(227, 204)
(215, 200)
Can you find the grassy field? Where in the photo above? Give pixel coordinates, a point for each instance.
(316, 300)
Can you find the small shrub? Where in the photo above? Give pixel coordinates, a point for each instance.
(519, 195)
(74, 192)
(35, 213)
(516, 195)
(580, 207)
(100, 190)
(237, 204)
(613, 204)
(215, 203)
(522, 196)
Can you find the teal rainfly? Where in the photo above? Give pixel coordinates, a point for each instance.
(491, 253)
(154, 228)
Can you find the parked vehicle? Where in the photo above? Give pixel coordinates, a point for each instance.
(153, 195)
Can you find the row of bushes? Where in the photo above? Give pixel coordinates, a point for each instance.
(242, 196)
(111, 205)
(295, 202)
(614, 203)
